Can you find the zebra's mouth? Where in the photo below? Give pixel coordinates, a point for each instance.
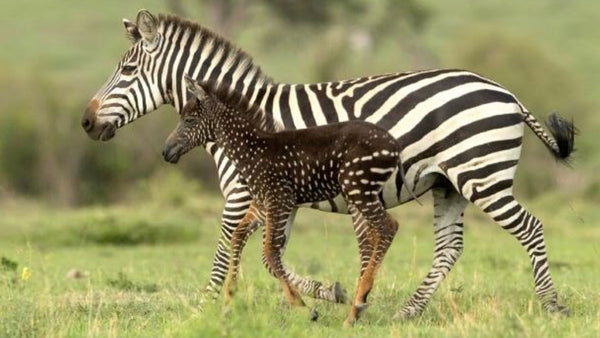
(107, 132)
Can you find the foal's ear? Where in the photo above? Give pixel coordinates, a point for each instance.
(195, 88)
(133, 33)
(147, 26)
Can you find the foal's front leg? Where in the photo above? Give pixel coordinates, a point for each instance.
(237, 207)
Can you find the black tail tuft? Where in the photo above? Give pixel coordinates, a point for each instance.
(563, 132)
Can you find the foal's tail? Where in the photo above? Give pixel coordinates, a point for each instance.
(561, 143)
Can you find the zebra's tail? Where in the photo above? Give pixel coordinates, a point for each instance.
(561, 143)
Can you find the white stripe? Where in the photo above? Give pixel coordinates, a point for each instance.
(315, 106)
(296, 116)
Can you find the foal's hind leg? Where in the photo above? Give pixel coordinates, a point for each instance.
(363, 236)
(310, 287)
(448, 206)
(381, 231)
(277, 214)
(498, 202)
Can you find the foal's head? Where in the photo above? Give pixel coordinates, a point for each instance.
(193, 128)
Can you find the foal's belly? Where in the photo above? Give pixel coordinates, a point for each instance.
(389, 196)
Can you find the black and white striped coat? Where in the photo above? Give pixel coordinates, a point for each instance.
(461, 135)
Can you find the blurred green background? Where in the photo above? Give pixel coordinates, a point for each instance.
(56, 54)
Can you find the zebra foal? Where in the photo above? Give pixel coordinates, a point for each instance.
(284, 169)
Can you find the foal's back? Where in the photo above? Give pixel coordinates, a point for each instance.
(311, 160)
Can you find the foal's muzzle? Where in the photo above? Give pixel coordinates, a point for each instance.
(172, 153)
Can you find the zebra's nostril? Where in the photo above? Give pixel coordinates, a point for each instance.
(87, 124)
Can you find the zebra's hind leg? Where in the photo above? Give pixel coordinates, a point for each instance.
(505, 210)
(448, 206)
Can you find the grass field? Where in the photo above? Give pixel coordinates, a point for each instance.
(143, 266)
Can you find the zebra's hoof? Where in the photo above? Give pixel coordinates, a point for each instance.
(314, 315)
(406, 313)
(339, 293)
(557, 309)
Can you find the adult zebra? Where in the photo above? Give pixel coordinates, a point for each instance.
(461, 136)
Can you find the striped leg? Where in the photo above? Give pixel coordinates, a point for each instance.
(236, 209)
(238, 241)
(448, 206)
(502, 207)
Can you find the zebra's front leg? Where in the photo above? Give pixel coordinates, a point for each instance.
(448, 206)
(236, 208)
(238, 241)
(306, 286)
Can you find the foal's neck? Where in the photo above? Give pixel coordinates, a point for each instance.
(239, 134)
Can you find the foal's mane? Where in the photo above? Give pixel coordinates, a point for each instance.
(237, 101)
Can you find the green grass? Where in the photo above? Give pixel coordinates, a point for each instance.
(153, 288)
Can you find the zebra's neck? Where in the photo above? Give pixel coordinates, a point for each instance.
(191, 49)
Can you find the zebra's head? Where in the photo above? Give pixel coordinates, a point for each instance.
(133, 89)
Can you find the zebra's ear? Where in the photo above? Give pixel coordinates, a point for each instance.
(133, 33)
(195, 88)
(147, 25)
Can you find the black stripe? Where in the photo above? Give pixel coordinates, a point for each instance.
(481, 149)
(185, 54)
(206, 63)
(216, 71)
(304, 107)
(326, 104)
(284, 107)
(458, 135)
(491, 190)
(239, 86)
(161, 66)
(197, 55)
(483, 172)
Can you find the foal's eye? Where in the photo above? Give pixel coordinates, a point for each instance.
(189, 119)
(128, 69)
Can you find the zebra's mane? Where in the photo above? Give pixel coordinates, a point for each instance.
(235, 57)
(237, 101)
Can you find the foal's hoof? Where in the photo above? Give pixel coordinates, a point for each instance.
(339, 293)
(349, 322)
(557, 309)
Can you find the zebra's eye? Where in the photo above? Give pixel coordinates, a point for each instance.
(128, 69)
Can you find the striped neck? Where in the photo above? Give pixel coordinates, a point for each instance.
(191, 49)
